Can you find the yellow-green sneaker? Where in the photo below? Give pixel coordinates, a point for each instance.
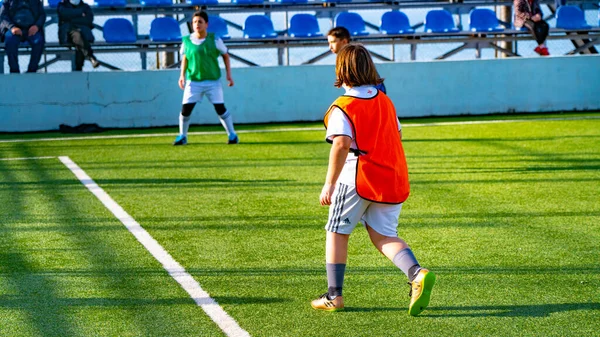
(324, 303)
(420, 291)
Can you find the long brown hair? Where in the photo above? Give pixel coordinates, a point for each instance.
(354, 67)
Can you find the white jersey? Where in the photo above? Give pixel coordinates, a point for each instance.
(339, 124)
(195, 40)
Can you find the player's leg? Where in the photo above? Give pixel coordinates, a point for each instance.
(184, 123)
(381, 221)
(227, 122)
(192, 94)
(344, 213)
(215, 96)
(336, 248)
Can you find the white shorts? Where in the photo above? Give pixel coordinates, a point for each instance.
(195, 91)
(347, 209)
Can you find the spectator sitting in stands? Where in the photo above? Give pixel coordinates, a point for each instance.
(20, 21)
(529, 14)
(75, 24)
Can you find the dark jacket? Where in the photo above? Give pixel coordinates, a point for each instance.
(524, 10)
(8, 13)
(72, 17)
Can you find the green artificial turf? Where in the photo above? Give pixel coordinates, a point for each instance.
(506, 214)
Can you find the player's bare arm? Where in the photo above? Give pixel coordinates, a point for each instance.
(184, 65)
(227, 63)
(337, 158)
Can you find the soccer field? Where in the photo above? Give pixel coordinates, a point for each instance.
(505, 210)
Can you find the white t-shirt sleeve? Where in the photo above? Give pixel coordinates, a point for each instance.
(338, 125)
(221, 46)
(182, 49)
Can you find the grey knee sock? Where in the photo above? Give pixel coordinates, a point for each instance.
(406, 261)
(335, 278)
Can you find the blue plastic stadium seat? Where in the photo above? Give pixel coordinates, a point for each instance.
(440, 21)
(203, 2)
(337, 1)
(304, 25)
(292, 1)
(218, 26)
(484, 20)
(248, 2)
(353, 22)
(165, 29)
(571, 17)
(118, 30)
(395, 22)
(110, 3)
(156, 2)
(51, 3)
(258, 27)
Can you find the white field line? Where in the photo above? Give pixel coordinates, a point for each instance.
(153, 135)
(27, 158)
(187, 282)
(298, 129)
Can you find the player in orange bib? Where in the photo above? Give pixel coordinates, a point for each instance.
(367, 179)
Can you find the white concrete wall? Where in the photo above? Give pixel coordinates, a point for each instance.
(37, 102)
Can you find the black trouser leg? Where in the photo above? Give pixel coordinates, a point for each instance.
(37, 49)
(79, 59)
(539, 30)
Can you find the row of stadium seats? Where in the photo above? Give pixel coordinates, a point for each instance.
(123, 3)
(167, 29)
(441, 21)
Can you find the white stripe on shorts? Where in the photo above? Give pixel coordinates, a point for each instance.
(334, 223)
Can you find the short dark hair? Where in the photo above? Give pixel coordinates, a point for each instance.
(201, 14)
(340, 33)
(354, 67)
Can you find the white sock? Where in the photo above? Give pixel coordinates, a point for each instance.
(227, 122)
(184, 125)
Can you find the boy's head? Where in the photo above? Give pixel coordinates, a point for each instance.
(338, 37)
(354, 67)
(200, 21)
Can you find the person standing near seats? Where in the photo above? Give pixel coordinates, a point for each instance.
(367, 179)
(200, 75)
(338, 37)
(22, 21)
(529, 14)
(75, 24)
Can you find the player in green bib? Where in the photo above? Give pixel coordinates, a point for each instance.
(201, 75)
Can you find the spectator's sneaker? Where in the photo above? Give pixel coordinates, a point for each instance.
(326, 304)
(180, 140)
(420, 291)
(95, 62)
(544, 51)
(235, 140)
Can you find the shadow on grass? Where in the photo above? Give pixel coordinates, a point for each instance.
(537, 310)
(9, 301)
(534, 310)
